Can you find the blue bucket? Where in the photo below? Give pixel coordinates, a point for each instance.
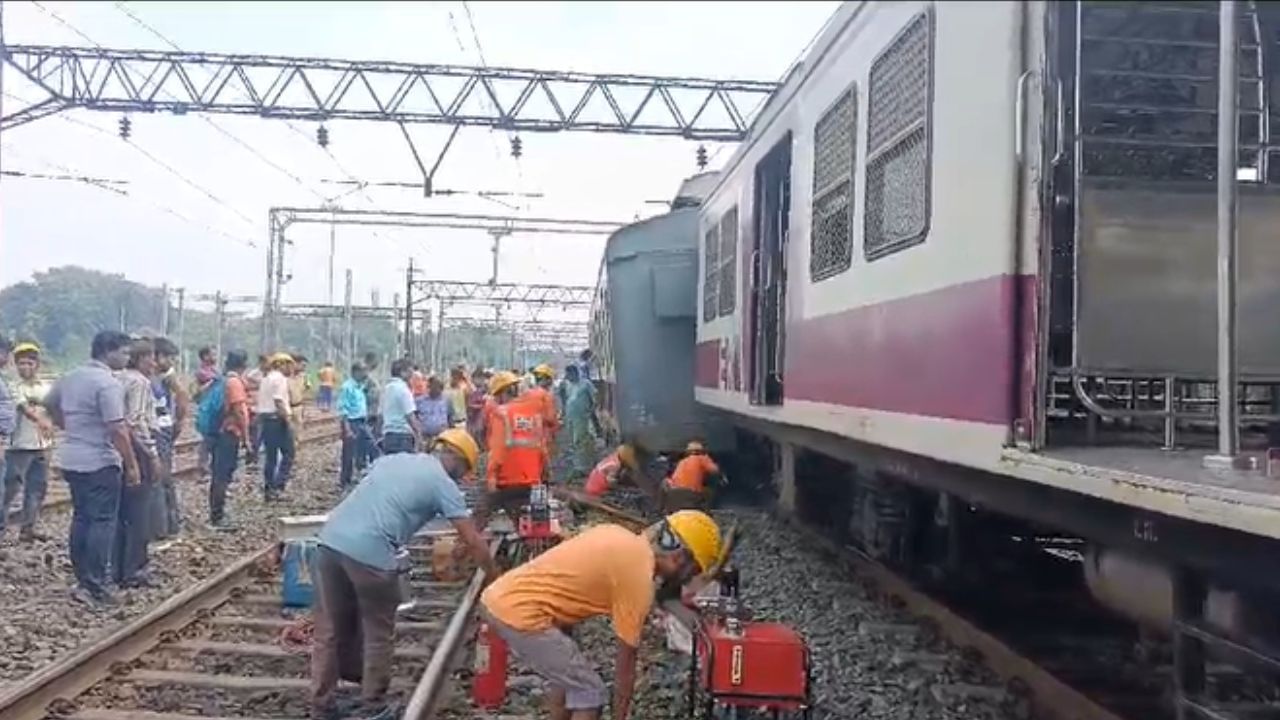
(298, 563)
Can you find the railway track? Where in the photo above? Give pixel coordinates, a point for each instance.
(220, 650)
(320, 429)
(920, 617)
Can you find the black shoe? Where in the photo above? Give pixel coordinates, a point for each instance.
(138, 581)
(380, 711)
(82, 596)
(342, 709)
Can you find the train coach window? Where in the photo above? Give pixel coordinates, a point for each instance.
(834, 151)
(710, 273)
(898, 142)
(728, 261)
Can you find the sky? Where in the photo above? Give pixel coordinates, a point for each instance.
(199, 187)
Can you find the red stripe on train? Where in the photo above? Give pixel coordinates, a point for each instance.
(946, 354)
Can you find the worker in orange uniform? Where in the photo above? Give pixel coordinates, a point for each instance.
(328, 383)
(624, 465)
(686, 488)
(517, 452)
(606, 570)
(540, 393)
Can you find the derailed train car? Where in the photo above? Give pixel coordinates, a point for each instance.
(967, 253)
(643, 322)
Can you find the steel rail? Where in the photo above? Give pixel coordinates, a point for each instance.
(431, 688)
(1051, 698)
(37, 696)
(56, 501)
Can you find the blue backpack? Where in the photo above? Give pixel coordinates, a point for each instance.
(209, 413)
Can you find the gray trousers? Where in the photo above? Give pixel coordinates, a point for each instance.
(166, 514)
(355, 623)
(26, 471)
(133, 526)
(556, 658)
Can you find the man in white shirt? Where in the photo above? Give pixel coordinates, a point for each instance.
(27, 466)
(272, 408)
(400, 427)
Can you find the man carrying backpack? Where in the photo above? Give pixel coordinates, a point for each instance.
(223, 417)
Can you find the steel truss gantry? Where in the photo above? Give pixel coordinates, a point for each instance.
(320, 311)
(453, 291)
(282, 217)
(560, 335)
(279, 219)
(556, 336)
(322, 89)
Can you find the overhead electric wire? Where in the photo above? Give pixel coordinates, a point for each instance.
(791, 65)
(123, 7)
(146, 198)
(188, 181)
(100, 183)
(164, 38)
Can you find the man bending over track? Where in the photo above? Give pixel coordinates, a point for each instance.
(607, 570)
(358, 583)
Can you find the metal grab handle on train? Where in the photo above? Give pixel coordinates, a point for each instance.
(1019, 112)
(1061, 140)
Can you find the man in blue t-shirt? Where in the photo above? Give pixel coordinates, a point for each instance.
(358, 565)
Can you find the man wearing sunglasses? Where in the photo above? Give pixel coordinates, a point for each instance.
(607, 570)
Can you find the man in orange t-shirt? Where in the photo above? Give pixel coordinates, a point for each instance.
(328, 382)
(233, 433)
(607, 570)
(687, 486)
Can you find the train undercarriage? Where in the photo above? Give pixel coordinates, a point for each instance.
(1033, 563)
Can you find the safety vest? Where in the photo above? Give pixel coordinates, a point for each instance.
(604, 475)
(522, 456)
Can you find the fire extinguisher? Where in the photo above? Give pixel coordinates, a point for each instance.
(489, 681)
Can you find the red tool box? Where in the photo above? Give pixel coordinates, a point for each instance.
(741, 663)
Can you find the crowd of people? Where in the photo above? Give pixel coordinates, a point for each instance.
(501, 426)
(109, 428)
(116, 417)
(115, 420)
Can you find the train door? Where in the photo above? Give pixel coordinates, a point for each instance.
(769, 273)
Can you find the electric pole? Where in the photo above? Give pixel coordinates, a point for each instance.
(182, 328)
(328, 329)
(164, 310)
(408, 311)
(219, 309)
(348, 343)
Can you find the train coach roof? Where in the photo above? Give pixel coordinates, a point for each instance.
(792, 81)
(676, 230)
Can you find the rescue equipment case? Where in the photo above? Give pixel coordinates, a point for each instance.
(298, 568)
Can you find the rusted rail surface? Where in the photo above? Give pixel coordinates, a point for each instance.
(226, 648)
(434, 685)
(1051, 699)
(320, 429)
(46, 690)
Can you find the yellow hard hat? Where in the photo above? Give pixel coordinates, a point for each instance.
(26, 347)
(544, 370)
(501, 381)
(694, 447)
(461, 441)
(281, 357)
(627, 455)
(699, 534)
